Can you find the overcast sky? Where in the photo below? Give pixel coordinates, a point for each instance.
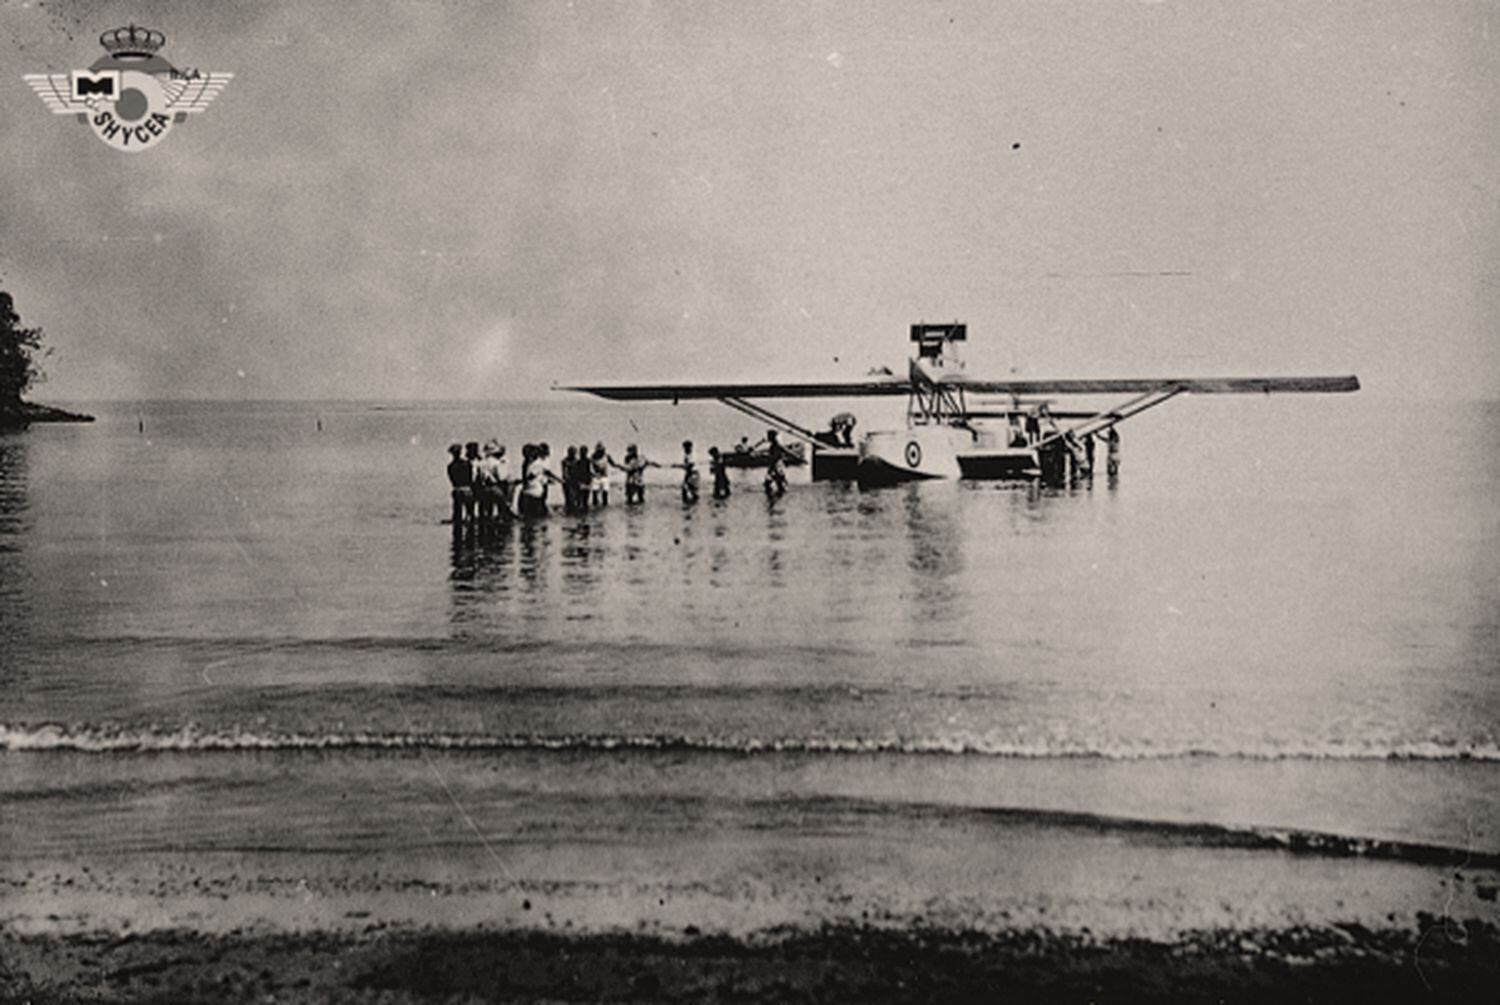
(427, 200)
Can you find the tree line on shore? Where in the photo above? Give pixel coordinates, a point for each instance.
(21, 353)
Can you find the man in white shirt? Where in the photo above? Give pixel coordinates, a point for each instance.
(487, 482)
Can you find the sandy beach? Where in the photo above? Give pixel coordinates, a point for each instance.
(921, 907)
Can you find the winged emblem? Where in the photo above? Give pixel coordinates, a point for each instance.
(188, 97)
(56, 92)
(184, 96)
(131, 97)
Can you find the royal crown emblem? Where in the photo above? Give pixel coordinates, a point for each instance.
(132, 42)
(130, 97)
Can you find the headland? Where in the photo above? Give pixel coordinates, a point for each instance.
(24, 413)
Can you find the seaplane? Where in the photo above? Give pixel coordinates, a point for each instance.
(951, 430)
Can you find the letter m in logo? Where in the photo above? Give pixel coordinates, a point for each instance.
(104, 84)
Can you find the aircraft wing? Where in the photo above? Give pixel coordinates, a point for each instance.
(691, 392)
(1147, 385)
(881, 386)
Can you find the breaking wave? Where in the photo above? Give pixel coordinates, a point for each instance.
(1293, 840)
(111, 739)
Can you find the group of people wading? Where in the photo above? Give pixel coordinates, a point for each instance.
(486, 488)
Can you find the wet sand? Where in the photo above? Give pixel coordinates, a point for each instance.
(1440, 961)
(917, 908)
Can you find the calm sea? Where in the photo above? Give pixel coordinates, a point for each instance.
(244, 625)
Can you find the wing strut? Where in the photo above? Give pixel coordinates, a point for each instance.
(1102, 421)
(770, 418)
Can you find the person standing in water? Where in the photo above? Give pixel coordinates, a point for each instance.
(720, 472)
(487, 488)
(689, 473)
(534, 477)
(776, 470)
(549, 470)
(570, 493)
(461, 482)
(583, 478)
(599, 476)
(503, 505)
(635, 474)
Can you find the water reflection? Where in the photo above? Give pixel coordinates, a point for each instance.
(825, 561)
(15, 525)
(533, 547)
(582, 546)
(15, 463)
(583, 554)
(481, 569)
(935, 553)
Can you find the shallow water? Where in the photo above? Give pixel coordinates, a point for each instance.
(1284, 614)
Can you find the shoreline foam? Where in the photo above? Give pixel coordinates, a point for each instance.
(109, 738)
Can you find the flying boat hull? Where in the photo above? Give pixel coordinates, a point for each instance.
(835, 464)
(930, 452)
(917, 453)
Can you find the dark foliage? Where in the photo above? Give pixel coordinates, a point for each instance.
(20, 353)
